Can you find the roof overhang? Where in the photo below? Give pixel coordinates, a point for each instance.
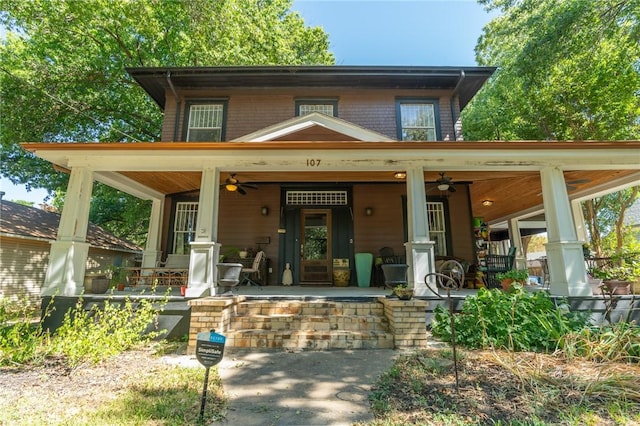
(465, 81)
(508, 173)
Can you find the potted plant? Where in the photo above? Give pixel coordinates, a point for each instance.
(617, 279)
(403, 292)
(508, 278)
(118, 277)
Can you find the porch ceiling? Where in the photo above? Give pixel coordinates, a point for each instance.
(507, 173)
(510, 191)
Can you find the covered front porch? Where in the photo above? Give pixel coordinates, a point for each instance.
(522, 179)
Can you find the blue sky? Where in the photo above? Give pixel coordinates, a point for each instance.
(398, 32)
(378, 32)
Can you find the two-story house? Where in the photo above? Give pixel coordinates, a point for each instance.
(316, 163)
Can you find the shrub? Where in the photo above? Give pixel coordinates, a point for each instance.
(516, 320)
(100, 332)
(21, 339)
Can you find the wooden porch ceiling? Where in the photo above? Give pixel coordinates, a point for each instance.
(510, 191)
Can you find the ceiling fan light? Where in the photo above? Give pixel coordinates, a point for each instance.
(231, 187)
(443, 186)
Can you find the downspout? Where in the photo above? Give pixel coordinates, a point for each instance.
(178, 106)
(452, 104)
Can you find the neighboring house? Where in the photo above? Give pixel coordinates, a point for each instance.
(632, 219)
(26, 234)
(317, 163)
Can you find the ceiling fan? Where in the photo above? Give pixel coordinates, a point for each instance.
(571, 183)
(445, 183)
(232, 184)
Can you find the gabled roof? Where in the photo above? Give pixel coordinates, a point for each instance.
(17, 220)
(463, 81)
(297, 124)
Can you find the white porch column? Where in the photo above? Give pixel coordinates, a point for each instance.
(68, 254)
(419, 249)
(151, 253)
(516, 240)
(204, 250)
(566, 263)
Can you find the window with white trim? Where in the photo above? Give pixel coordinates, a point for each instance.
(437, 227)
(205, 122)
(417, 120)
(307, 106)
(184, 227)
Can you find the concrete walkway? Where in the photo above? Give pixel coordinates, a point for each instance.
(301, 388)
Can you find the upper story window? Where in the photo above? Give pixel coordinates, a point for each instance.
(205, 121)
(418, 120)
(324, 106)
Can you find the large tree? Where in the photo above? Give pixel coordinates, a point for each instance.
(567, 69)
(63, 78)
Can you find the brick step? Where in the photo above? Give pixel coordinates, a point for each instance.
(309, 339)
(265, 307)
(310, 322)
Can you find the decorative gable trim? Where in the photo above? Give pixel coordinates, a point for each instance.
(297, 124)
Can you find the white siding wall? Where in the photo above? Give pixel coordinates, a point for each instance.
(23, 265)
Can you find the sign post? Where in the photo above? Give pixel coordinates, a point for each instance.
(209, 351)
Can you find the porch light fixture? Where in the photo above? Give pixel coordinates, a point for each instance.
(487, 203)
(400, 175)
(264, 211)
(368, 211)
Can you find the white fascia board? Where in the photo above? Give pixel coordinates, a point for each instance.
(362, 158)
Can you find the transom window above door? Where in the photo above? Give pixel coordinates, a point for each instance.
(417, 120)
(205, 121)
(325, 106)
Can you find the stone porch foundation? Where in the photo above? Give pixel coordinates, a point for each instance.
(311, 324)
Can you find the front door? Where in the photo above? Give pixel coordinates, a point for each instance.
(315, 247)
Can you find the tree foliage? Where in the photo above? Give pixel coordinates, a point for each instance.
(63, 78)
(567, 70)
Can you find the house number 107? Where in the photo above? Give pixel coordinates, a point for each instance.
(313, 162)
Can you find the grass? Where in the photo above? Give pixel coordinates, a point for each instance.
(506, 388)
(134, 388)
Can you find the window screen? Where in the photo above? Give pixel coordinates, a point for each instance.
(205, 123)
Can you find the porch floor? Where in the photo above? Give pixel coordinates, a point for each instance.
(295, 292)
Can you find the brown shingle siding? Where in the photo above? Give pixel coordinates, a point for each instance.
(252, 110)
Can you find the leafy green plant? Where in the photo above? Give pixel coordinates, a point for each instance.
(517, 275)
(516, 320)
(621, 273)
(118, 275)
(103, 331)
(21, 339)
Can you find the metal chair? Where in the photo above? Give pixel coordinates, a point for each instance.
(497, 263)
(544, 265)
(450, 275)
(228, 276)
(394, 274)
(247, 273)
